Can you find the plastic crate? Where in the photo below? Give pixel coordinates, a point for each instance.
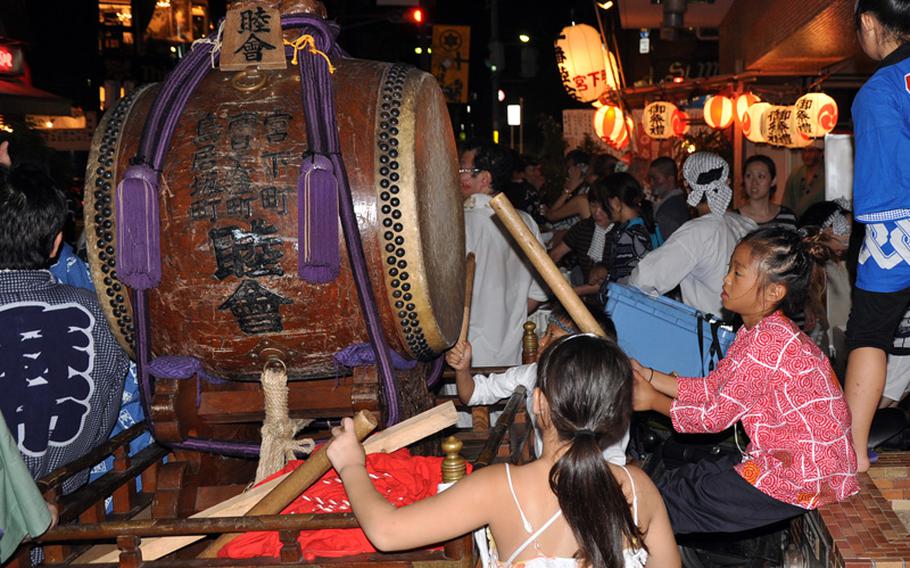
(663, 333)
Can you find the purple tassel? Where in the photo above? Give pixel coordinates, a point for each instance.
(138, 239)
(317, 221)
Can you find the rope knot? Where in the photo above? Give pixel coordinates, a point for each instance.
(278, 429)
(308, 42)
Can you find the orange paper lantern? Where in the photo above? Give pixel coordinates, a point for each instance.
(718, 112)
(612, 126)
(625, 136)
(743, 102)
(680, 122)
(816, 114)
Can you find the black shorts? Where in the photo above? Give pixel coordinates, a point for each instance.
(710, 497)
(874, 317)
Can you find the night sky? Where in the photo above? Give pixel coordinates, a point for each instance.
(62, 46)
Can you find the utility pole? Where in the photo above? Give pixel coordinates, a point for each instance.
(496, 63)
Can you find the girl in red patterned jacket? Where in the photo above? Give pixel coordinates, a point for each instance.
(777, 382)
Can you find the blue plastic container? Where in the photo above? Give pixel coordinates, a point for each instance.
(664, 334)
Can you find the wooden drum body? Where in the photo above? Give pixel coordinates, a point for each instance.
(230, 294)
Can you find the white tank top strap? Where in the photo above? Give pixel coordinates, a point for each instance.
(521, 513)
(634, 495)
(533, 537)
(524, 520)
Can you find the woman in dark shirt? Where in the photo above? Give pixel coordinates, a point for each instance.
(590, 238)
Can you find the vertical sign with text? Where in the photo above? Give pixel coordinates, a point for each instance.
(252, 38)
(450, 61)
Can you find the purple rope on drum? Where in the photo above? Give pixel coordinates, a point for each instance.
(362, 354)
(181, 367)
(326, 182)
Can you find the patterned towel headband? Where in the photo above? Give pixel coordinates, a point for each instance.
(838, 220)
(707, 175)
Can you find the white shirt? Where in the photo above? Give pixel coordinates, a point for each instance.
(489, 389)
(503, 282)
(695, 257)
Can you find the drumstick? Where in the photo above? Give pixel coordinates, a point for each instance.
(296, 483)
(470, 265)
(545, 265)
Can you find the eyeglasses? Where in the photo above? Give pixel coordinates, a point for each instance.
(472, 171)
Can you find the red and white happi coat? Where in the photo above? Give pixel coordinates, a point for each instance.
(783, 389)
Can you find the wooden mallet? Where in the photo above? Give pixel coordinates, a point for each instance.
(296, 483)
(545, 265)
(470, 266)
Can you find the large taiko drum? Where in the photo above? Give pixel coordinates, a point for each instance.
(229, 290)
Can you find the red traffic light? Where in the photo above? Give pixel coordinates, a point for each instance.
(10, 60)
(416, 15)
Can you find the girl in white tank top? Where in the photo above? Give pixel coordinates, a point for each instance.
(585, 516)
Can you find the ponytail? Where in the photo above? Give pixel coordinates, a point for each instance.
(815, 243)
(580, 478)
(587, 382)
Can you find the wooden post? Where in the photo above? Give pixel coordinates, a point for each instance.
(739, 152)
(529, 343)
(453, 469)
(290, 547)
(545, 265)
(130, 553)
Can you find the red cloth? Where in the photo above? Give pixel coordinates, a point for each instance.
(399, 476)
(782, 387)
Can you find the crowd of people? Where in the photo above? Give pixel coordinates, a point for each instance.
(664, 227)
(764, 265)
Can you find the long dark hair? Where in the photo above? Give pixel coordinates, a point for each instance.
(795, 258)
(626, 188)
(894, 15)
(587, 382)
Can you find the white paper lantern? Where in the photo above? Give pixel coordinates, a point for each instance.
(586, 68)
(661, 120)
(816, 114)
(718, 112)
(779, 127)
(752, 120)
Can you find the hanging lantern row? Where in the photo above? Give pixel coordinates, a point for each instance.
(661, 120)
(813, 115)
(586, 68)
(612, 126)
